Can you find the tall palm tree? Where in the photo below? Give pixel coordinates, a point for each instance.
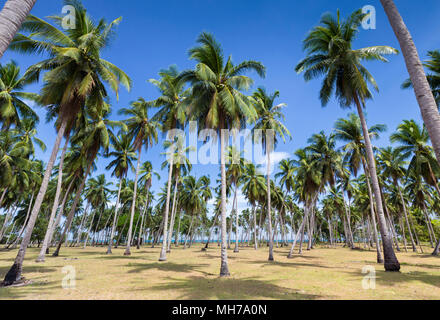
(144, 132)
(422, 89)
(12, 107)
(392, 163)
(12, 16)
(270, 121)
(330, 54)
(234, 170)
(253, 187)
(217, 102)
(124, 154)
(75, 73)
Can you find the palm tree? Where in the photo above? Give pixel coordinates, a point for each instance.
(12, 107)
(12, 16)
(27, 133)
(146, 176)
(422, 89)
(349, 131)
(216, 102)
(234, 170)
(124, 154)
(392, 163)
(70, 80)
(433, 65)
(270, 118)
(143, 131)
(330, 54)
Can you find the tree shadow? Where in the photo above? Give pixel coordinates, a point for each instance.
(169, 267)
(201, 288)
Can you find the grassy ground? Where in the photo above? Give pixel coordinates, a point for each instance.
(323, 273)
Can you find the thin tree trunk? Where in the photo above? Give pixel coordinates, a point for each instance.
(143, 218)
(236, 220)
(224, 269)
(14, 244)
(133, 205)
(391, 263)
(73, 209)
(14, 274)
(12, 16)
(78, 239)
(269, 208)
(3, 196)
(115, 218)
(406, 217)
(254, 213)
(163, 252)
(425, 98)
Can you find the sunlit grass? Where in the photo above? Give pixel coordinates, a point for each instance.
(322, 273)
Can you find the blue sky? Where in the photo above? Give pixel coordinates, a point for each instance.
(156, 34)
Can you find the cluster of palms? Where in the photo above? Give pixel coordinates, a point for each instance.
(318, 196)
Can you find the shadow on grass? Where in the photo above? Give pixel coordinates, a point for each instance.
(168, 266)
(200, 288)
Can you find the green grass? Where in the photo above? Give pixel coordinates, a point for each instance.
(323, 273)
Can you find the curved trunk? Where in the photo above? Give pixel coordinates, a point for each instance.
(210, 232)
(391, 262)
(173, 219)
(176, 238)
(73, 209)
(14, 274)
(224, 269)
(425, 98)
(300, 231)
(133, 205)
(13, 14)
(14, 244)
(163, 252)
(3, 196)
(254, 213)
(47, 236)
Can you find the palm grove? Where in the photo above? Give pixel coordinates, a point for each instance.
(338, 189)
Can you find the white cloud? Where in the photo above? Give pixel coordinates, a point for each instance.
(275, 159)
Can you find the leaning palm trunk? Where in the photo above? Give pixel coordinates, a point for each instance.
(300, 231)
(133, 205)
(73, 209)
(14, 244)
(173, 217)
(92, 215)
(14, 274)
(210, 231)
(12, 16)
(224, 269)
(47, 236)
(391, 262)
(406, 218)
(163, 252)
(269, 208)
(78, 239)
(2, 197)
(425, 98)
(373, 214)
(115, 219)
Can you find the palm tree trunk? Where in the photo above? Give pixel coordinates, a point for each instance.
(133, 205)
(391, 262)
(12, 16)
(92, 216)
(78, 239)
(3, 196)
(47, 236)
(173, 218)
(115, 218)
(214, 223)
(14, 244)
(300, 231)
(141, 229)
(269, 208)
(425, 98)
(236, 219)
(176, 238)
(14, 274)
(224, 269)
(73, 209)
(406, 217)
(373, 213)
(163, 252)
(254, 213)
